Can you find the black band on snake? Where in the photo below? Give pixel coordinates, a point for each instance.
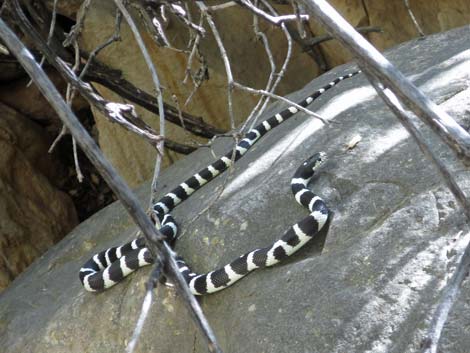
(109, 267)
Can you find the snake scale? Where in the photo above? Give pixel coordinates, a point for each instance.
(110, 266)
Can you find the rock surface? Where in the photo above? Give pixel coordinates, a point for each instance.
(368, 285)
(34, 214)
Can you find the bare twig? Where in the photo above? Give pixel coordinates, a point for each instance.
(448, 298)
(157, 87)
(3, 7)
(223, 54)
(452, 289)
(115, 37)
(153, 22)
(220, 191)
(51, 30)
(279, 75)
(406, 120)
(233, 84)
(113, 80)
(148, 61)
(69, 99)
(145, 309)
(178, 147)
(123, 114)
(183, 16)
(117, 184)
(259, 107)
(78, 26)
(434, 116)
(201, 74)
(61, 134)
(275, 96)
(298, 10)
(78, 170)
(191, 302)
(158, 265)
(195, 48)
(3, 49)
(314, 52)
(194, 142)
(63, 130)
(222, 6)
(324, 38)
(275, 20)
(413, 18)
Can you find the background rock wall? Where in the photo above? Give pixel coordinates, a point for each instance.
(34, 214)
(134, 158)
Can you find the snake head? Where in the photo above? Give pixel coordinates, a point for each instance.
(315, 161)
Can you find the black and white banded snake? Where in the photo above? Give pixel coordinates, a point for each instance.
(110, 266)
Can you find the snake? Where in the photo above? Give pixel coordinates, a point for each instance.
(109, 267)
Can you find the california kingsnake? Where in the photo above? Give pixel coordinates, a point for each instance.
(110, 266)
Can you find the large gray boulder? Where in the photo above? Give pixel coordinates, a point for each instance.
(369, 284)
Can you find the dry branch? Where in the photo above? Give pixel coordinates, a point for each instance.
(157, 246)
(224, 56)
(431, 114)
(275, 20)
(191, 302)
(405, 118)
(270, 85)
(123, 114)
(113, 80)
(309, 43)
(413, 18)
(399, 90)
(446, 302)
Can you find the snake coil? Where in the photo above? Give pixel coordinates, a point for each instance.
(110, 266)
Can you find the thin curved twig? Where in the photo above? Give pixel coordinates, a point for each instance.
(275, 20)
(413, 18)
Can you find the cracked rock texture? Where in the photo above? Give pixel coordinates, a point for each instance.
(369, 284)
